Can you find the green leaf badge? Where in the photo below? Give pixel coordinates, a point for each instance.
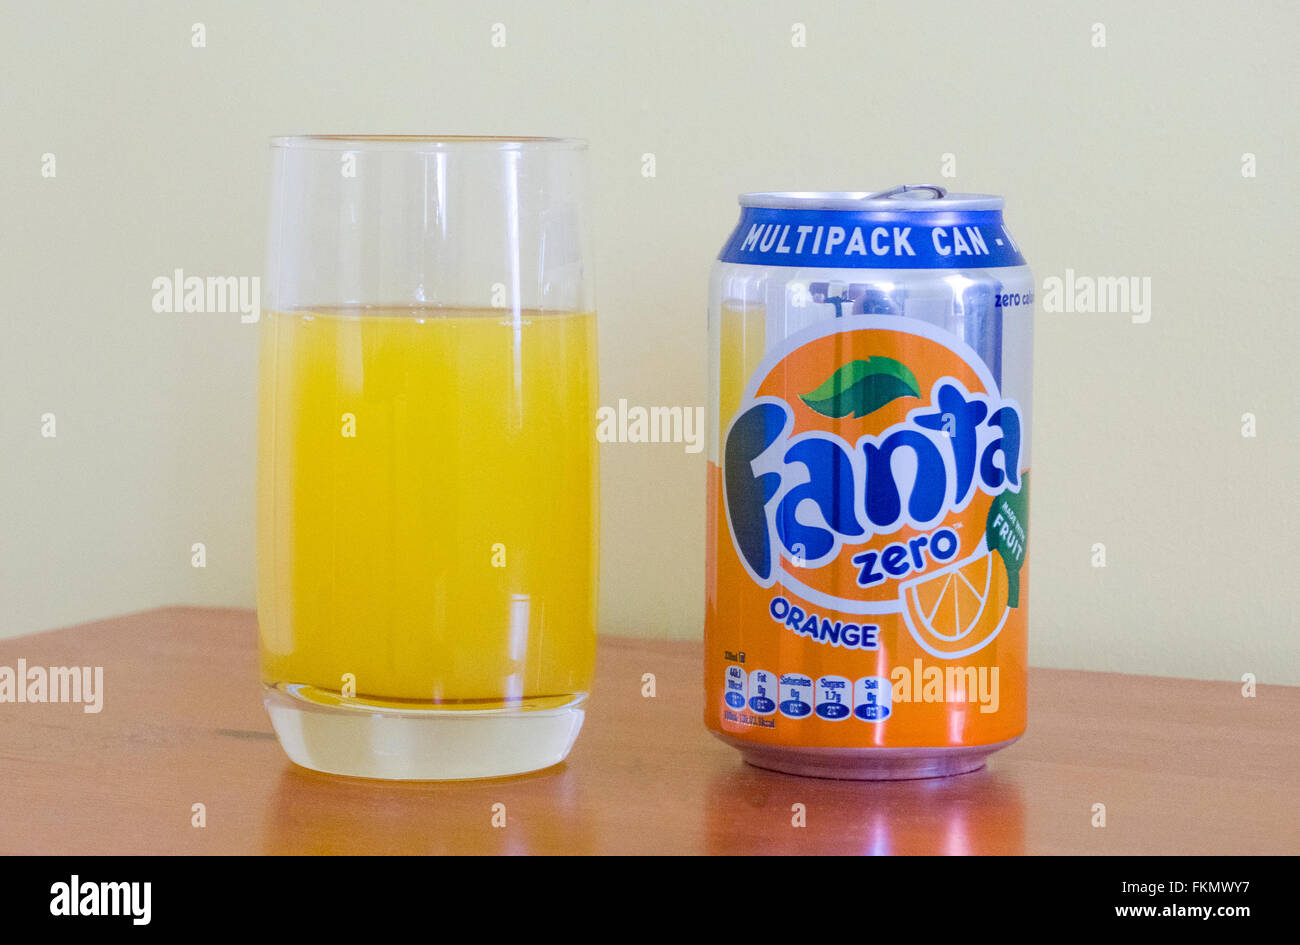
(860, 387)
(1007, 532)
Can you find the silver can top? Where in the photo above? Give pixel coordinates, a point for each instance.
(919, 197)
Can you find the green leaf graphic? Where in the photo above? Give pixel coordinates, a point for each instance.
(862, 386)
(1007, 532)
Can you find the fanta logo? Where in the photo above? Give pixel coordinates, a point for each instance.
(807, 495)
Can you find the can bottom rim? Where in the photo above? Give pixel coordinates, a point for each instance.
(867, 764)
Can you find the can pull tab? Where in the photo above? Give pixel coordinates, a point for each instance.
(913, 192)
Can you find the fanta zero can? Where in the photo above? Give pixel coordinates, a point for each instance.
(868, 527)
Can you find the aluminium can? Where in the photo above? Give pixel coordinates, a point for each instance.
(868, 483)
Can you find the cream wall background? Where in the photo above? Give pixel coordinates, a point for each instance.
(1124, 160)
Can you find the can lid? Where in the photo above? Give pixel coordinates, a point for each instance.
(924, 198)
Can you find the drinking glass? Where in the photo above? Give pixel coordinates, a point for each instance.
(427, 469)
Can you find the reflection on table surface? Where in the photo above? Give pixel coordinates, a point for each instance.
(978, 813)
(312, 813)
(741, 810)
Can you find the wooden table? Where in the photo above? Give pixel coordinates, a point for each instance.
(1181, 767)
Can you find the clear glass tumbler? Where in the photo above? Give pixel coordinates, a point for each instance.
(427, 471)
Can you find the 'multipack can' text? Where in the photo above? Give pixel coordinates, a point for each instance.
(868, 526)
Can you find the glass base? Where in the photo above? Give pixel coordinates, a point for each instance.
(421, 744)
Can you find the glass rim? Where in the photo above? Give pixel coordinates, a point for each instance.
(397, 142)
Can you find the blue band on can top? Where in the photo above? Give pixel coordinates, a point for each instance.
(855, 239)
